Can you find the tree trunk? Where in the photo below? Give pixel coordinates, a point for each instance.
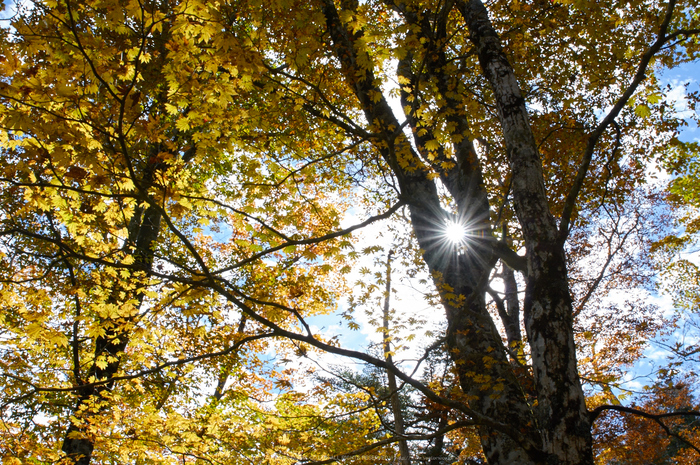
(557, 428)
(77, 443)
(561, 410)
(397, 411)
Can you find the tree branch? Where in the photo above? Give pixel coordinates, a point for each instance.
(657, 417)
(391, 440)
(564, 225)
(139, 374)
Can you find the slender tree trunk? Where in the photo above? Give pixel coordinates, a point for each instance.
(437, 451)
(77, 443)
(404, 454)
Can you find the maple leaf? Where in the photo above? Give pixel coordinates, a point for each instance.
(181, 188)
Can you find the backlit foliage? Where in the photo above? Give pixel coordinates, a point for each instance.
(184, 185)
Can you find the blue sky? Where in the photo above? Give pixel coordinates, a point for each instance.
(687, 73)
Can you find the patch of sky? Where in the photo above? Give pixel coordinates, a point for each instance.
(11, 8)
(330, 326)
(681, 80)
(684, 79)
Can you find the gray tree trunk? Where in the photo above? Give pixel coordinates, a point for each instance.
(557, 428)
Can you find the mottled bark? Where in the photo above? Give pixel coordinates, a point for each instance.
(561, 411)
(474, 343)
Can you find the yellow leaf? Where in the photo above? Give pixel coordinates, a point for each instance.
(183, 124)
(432, 145)
(642, 111)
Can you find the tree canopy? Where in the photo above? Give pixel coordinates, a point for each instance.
(187, 184)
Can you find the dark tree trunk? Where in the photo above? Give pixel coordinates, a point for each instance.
(77, 444)
(561, 410)
(557, 429)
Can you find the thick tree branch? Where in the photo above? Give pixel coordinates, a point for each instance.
(477, 417)
(314, 240)
(140, 374)
(509, 257)
(639, 77)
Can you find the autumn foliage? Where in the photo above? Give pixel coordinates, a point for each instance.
(191, 190)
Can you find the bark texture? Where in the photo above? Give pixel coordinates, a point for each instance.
(555, 428)
(561, 410)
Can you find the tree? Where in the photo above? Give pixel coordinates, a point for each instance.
(662, 437)
(680, 275)
(175, 176)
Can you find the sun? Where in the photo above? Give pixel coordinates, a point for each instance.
(455, 232)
